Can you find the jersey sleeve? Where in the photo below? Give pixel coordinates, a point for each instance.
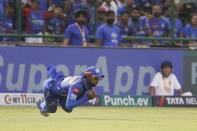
(177, 85)
(68, 33)
(187, 32)
(99, 33)
(72, 100)
(155, 81)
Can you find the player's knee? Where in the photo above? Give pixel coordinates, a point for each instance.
(51, 109)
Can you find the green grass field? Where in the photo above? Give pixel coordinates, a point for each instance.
(20, 118)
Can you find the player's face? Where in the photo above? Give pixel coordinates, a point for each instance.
(166, 71)
(94, 81)
(81, 19)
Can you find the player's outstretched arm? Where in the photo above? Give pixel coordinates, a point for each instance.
(72, 98)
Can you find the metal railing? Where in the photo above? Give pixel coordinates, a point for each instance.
(171, 38)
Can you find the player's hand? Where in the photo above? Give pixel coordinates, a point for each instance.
(91, 94)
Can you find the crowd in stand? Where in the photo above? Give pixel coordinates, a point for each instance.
(143, 18)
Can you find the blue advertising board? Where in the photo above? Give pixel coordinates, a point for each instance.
(127, 71)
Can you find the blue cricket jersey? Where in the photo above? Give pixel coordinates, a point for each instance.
(2, 7)
(178, 26)
(74, 35)
(111, 36)
(77, 88)
(124, 30)
(189, 31)
(141, 29)
(159, 27)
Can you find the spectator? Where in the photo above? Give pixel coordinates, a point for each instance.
(108, 34)
(101, 20)
(129, 4)
(165, 82)
(178, 26)
(3, 8)
(140, 26)
(159, 25)
(55, 25)
(77, 33)
(56, 3)
(76, 5)
(35, 21)
(9, 25)
(190, 31)
(124, 26)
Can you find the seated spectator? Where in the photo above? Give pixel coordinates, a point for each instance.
(159, 25)
(9, 25)
(55, 25)
(190, 31)
(108, 34)
(129, 4)
(140, 26)
(3, 8)
(101, 20)
(35, 21)
(178, 26)
(185, 12)
(76, 5)
(77, 34)
(165, 82)
(56, 3)
(125, 27)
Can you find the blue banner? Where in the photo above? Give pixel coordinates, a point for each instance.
(127, 71)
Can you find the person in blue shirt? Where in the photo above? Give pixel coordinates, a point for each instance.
(140, 26)
(77, 34)
(178, 26)
(55, 25)
(129, 4)
(70, 91)
(108, 34)
(4, 7)
(125, 27)
(159, 25)
(190, 30)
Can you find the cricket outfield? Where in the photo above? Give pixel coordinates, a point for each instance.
(21, 118)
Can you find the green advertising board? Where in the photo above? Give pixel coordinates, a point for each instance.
(190, 72)
(125, 100)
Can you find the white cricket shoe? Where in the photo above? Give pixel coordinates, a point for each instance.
(42, 111)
